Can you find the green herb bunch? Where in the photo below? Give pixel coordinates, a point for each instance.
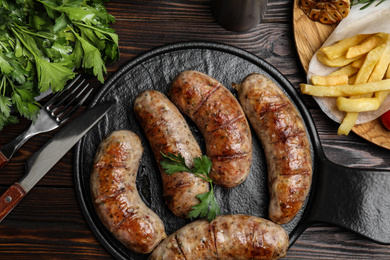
(208, 205)
(43, 42)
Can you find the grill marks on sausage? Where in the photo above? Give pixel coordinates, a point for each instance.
(286, 145)
(213, 87)
(168, 132)
(222, 122)
(115, 195)
(127, 214)
(287, 137)
(227, 237)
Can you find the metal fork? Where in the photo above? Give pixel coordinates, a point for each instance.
(53, 114)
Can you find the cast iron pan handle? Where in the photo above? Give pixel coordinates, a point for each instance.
(352, 198)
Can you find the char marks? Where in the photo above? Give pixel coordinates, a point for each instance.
(222, 122)
(282, 133)
(204, 100)
(168, 132)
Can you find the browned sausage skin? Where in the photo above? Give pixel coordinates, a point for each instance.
(115, 194)
(282, 132)
(222, 122)
(168, 132)
(227, 237)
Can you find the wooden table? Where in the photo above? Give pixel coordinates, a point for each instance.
(48, 223)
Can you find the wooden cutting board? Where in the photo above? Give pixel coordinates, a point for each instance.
(309, 36)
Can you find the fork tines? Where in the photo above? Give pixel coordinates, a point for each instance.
(61, 112)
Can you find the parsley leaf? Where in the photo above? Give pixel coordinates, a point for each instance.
(208, 206)
(23, 98)
(54, 75)
(91, 58)
(5, 66)
(43, 42)
(208, 201)
(5, 104)
(173, 163)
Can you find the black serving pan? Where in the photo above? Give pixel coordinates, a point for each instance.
(355, 199)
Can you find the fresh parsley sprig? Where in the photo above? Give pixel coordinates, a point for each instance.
(208, 206)
(42, 42)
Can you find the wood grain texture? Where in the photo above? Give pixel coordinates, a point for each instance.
(48, 223)
(3, 160)
(309, 36)
(56, 229)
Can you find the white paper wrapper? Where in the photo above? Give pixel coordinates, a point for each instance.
(371, 20)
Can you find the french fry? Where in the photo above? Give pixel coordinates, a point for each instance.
(348, 123)
(363, 101)
(351, 116)
(379, 72)
(341, 47)
(345, 90)
(369, 64)
(329, 80)
(365, 60)
(366, 46)
(346, 70)
(339, 62)
(352, 80)
(383, 63)
(357, 104)
(388, 73)
(357, 64)
(382, 95)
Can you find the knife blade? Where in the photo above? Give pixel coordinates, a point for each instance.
(44, 159)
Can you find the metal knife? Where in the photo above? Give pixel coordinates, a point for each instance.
(44, 159)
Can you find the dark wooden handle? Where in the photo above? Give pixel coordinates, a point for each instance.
(10, 199)
(3, 160)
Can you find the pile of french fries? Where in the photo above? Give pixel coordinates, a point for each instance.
(362, 79)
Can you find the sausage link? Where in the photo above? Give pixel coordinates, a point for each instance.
(222, 122)
(226, 237)
(168, 132)
(281, 130)
(115, 195)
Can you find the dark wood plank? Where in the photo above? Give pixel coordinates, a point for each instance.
(271, 42)
(200, 11)
(48, 223)
(327, 242)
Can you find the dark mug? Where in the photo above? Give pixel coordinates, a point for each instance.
(238, 15)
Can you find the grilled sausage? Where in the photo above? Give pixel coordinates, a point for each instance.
(281, 130)
(226, 237)
(168, 132)
(115, 195)
(222, 122)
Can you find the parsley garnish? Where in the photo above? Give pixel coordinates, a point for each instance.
(42, 42)
(208, 206)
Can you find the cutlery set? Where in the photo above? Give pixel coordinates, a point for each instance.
(53, 114)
